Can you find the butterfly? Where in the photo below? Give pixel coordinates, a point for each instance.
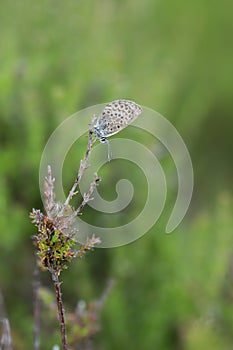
(115, 116)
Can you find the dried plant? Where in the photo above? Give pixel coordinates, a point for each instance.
(83, 323)
(55, 240)
(5, 333)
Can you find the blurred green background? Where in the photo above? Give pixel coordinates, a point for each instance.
(172, 291)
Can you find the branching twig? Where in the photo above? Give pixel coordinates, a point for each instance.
(87, 196)
(83, 164)
(55, 239)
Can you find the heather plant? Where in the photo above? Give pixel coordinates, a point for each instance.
(173, 291)
(57, 245)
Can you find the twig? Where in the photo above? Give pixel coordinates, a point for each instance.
(83, 164)
(49, 192)
(36, 328)
(55, 240)
(5, 333)
(61, 312)
(105, 294)
(87, 196)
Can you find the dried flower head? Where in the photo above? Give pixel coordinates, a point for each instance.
(55, 240)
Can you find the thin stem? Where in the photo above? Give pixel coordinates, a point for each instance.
(36, 328)
(49, 191)
(61, 311)
(87, 196)
(5, 333)
(83, 165)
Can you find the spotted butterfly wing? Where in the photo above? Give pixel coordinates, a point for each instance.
(115, 117)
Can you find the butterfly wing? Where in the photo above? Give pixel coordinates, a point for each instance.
(116, 116)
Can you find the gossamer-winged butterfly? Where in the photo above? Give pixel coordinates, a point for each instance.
(116, 116)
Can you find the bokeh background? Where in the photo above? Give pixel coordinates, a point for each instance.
(172, 291)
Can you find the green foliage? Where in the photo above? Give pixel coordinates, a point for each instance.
(176, 285)
(172, 291)
(54, 249)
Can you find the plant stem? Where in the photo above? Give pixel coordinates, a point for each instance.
(36, 330)
(61, 312)
(83, 166)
